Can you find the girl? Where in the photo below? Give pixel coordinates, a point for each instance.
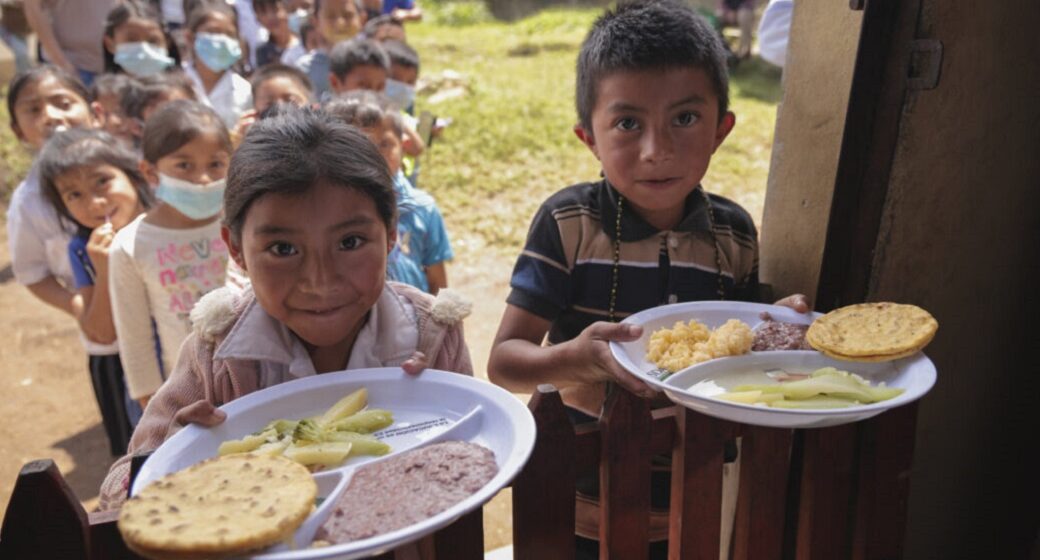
(135, 42)
(41, 101)
(164, 261)
(213, 35)
(313, 228)
(92, 181)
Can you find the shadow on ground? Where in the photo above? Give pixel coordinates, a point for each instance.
(85, 449)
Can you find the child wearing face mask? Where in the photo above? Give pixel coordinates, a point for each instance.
(336, 21)
(164, 261)
(212, 32)
(135, 42)
(93, 182)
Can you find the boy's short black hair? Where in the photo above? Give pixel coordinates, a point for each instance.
(372, 25)
(261, 5)
(347, 55)
(142, 92)
(110, 84)
(401, 54)
(365, 109)
(292, 152)
(278, 70)
(644, 35)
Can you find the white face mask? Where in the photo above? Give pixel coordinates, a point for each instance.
(402, 94)
(195, 201)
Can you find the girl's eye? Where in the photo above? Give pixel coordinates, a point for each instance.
(627, 123)
(183, 165)
(71, 196)
(351, 242)
(282, 249)
(686, 119)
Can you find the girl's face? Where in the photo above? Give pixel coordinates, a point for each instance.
(94, 194)
(45, 106)
(201, 161)
(136, 30)
(217, 23)
(339, 20)
(317, 263)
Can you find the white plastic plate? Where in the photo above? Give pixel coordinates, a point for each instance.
(433, 406)
(915, 374)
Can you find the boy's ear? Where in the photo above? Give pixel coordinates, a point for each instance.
(334, 83)
(234, 250)
(99, 113)
(109, 43)
(729, 120)
(17, 130)
(586, 138)
(391, 237)
(150, 172)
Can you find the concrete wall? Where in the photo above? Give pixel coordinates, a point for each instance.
(809, 126)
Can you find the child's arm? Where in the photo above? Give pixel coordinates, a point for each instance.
(520, 363)
(96, 318)
(51, 292)
(411, 143)
(131, 313)
(437, 277)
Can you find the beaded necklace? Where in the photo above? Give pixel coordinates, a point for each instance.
(617, 253)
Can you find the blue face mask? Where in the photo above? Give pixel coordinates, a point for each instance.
(142, 59)
(402, 94)
(296, 20)
(197, 202)
(217, 51)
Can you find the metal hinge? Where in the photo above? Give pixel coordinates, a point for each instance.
(925, 64)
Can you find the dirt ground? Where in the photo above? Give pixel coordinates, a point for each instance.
(49, 410)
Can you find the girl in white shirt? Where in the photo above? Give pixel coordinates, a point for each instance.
(163, 262)
(212, 36)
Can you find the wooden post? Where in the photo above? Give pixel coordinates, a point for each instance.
(624, 529)
(825, 505)
(695, 526)
(765, 458)
(44, 519)
(463, 539)
(543, 493)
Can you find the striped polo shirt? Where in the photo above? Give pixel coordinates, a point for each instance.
(564, 273)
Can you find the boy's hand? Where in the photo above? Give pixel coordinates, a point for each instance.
(415, 364)
(98, 245)
(592, 344)
(798, 302)
(202, 413)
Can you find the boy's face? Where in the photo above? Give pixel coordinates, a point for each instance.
(389, 143)
(274, 17)
(339, 20)
(279, 89)
(364, 76)
(404, 74)
(654, 132)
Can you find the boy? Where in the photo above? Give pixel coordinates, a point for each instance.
(145, 95)
(337, 21)
(358, 64)
(278, 83)
(423, 248)
(652, 103)
(108, 91)
(273, 15)
(404, 73)
(382, 28)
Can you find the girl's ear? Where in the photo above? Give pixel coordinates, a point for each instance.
(109, 43)
(150, 172)
(234, 249)
(17, 130)
(99, 112)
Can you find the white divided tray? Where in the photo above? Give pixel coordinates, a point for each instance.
(431, 407)
(915, 374)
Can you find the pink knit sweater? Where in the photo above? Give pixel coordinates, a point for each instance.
(198, 376)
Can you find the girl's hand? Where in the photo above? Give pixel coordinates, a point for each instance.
(99, 243)
(593, 345)
(202, 413)
(415, 364)
(798, 302)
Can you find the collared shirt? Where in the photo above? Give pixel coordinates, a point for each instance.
(565, 271)
(389, 336)
(422, 238)
(230, 97)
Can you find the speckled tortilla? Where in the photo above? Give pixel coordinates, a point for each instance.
(872, 331)
(220, 507)
(407, 489)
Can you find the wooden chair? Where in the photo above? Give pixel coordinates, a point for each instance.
(825, 493)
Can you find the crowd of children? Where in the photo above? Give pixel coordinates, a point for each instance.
(215, 234)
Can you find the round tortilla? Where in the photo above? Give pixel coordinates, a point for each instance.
(872, 331)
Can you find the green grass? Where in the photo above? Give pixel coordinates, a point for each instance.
(14, 158)
(511, 144)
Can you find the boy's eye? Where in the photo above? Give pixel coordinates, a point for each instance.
(627, 123)
(183, 165)
(71, 196)
(686, 119)
(282, 249)
(351, 242)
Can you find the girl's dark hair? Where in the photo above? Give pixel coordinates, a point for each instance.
(175, 124)
(292, 152)
(141, 9)
(33, 75)
(80, 147)
(401, 54)
(200, 10)
(142, 93)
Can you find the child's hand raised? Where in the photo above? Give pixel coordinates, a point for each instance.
(593, 345)
(99, 243)
(798, 302)
(202, 413)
